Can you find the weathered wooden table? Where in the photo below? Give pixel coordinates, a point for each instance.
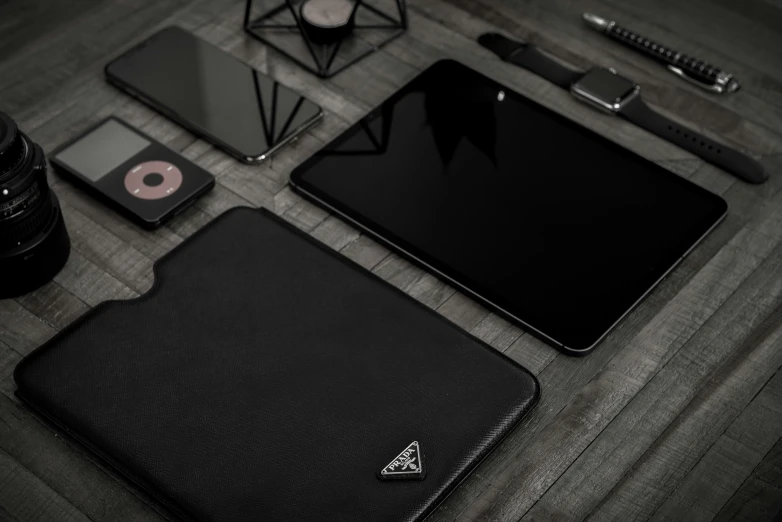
(678, 414)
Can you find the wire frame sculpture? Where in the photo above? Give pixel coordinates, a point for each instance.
(376, 22)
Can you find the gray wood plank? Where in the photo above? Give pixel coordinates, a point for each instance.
(760, 496)
(297, 210)
(463, 311)
(104, 249)
(398, 271)
(64, 57)
(531, 352)
(54, 305)
(152, 244)
(24, 498)
(497, 332)
(720, 473)
(205, 210)
(366, 252)
(335, 233)
(664, 465)
(66, 470)
(41, 66)
(89, 283)
(9, 358)
(623, 442)
(27, 25)
(20, 330)
(414, 280)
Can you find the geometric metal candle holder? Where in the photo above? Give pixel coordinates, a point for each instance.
(376, 22)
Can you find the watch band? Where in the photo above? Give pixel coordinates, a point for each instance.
(529, 57)
(636, 110)
(727, 158)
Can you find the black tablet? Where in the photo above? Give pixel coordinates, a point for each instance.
(541, 219)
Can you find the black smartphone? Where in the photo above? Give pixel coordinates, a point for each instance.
(213, 94)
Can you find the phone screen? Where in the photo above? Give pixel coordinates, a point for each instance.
(213, 93)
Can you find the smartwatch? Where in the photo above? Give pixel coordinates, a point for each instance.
(612, 93)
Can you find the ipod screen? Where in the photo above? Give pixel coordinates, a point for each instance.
(102, 150)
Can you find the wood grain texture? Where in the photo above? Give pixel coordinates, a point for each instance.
(24, 497)
(732, 458)
(760, 496)
(675, 416)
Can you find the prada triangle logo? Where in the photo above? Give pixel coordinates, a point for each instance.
(407, 465)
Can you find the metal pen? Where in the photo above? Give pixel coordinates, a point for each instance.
(696, 71)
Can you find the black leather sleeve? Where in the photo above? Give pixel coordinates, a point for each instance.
(265, 377)
(728, 159)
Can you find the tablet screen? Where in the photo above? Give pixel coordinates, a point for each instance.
(543, 220)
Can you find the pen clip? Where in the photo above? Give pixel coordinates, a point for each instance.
(725, 82)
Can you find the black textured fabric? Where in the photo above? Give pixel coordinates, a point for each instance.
(265, 377)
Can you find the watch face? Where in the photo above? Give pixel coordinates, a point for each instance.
(605, 85)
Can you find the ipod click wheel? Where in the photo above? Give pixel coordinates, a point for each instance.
(131, 172)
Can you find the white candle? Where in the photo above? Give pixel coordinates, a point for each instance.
(327, 21)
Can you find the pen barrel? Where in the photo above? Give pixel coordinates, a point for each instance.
(698, 69)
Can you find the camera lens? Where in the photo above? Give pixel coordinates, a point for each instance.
(34, 244)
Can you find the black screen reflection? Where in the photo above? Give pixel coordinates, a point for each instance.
(214, 92)
(557, 226)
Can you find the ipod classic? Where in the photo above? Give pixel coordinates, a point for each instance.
(131, 172)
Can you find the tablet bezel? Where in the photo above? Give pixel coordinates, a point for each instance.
(461, 281)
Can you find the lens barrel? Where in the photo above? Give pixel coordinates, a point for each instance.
(34, 243)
